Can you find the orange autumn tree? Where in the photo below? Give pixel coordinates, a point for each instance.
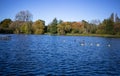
(77, 27)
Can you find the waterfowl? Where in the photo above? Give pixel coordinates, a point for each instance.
(108, 45)
(82, 43)
(97, 44)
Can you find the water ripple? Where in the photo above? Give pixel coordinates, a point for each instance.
(43, 55)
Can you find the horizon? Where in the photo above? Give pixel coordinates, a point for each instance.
(66, 10)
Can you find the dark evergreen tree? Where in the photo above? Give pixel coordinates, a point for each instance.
(117, 19)
(52, 28)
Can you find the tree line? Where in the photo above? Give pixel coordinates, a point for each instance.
(23, 24)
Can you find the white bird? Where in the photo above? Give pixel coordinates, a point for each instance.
(97, 44)
(108, 45)
(82, 44)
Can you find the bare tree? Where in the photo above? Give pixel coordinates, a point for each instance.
(23, 16)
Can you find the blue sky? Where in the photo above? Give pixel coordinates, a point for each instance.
(67, 10)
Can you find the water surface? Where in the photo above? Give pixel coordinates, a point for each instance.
(59, 55)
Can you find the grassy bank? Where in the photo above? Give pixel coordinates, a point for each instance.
(95, 35)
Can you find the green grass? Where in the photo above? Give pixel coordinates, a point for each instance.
(95, 35)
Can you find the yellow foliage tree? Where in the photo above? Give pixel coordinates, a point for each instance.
(38, 27)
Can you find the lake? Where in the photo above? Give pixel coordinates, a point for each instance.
(45, 55)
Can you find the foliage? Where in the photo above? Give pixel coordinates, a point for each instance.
(117, 19)
(24, 25)
(89, 28)
(77, 27)
(112, 17)
(4, 26)
(61, 28)
(52, 27)
(38, 27)
(15, 26)
(5, 23)
(70, 27)
(117, 28)
(107, 26)
(25, 28)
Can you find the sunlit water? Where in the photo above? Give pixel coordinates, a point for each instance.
(44, 55)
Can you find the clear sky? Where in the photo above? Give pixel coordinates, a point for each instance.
(67, 10)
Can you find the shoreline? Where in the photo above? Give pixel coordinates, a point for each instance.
(89, 35)
(95, 35)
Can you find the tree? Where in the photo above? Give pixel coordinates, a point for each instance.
(112, 17)
(15, 26)
(95, 22)
(77, 27)
(52, 28)
(23, 16)
(4, 26)
(5, 23)
(117, 19)
(107, 26)
(38, 27)
(22, 23)
(86, 28)
(61, 28)
(70, 27)
(117, 28)
(25, 28)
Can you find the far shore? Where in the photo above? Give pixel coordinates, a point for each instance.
(96, 35)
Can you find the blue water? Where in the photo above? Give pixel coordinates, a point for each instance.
(44, 55)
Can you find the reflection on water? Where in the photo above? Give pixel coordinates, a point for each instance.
(59, 55)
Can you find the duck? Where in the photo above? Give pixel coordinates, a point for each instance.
(97, 44)
(82, 43)
(108, 45)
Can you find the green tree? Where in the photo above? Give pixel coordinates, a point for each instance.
(26, 28)
(5, 23)
(117, 19)
(70, 27)
(109, 26)
(4, 26)
(112, 17)
(86, 28)
(52, 28)
(106, 27)
(100, 29)
(117, 28)
(38, 27)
